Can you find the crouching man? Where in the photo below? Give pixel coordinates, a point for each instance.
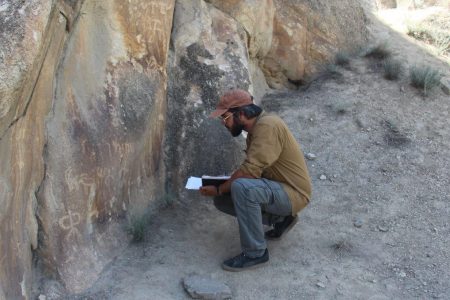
(270, 187)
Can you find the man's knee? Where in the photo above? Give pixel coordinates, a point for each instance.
(239, 186)
(243, 189)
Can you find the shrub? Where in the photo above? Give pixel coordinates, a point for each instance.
(392, 69)
(424, 78)
(380, 51)
(333, 70)
(137, 227)
(433, 31)
(342, 59)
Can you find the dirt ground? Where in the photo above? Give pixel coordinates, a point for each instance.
(377, 226)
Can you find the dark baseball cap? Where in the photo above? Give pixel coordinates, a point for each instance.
(232, 99)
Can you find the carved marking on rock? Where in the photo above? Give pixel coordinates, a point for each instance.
(69, 222)
(108, 145)
(105, 175)
(74, 182)
(153, 64)
(156, 26)
(70, 180)
(162, 7)
(122, 149)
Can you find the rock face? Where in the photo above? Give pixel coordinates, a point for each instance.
(99, 119)
(85, 150)
(104, 135)
(209, 57)
(307, 35)
(32, 35)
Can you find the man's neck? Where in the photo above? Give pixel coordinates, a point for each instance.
(250, 123)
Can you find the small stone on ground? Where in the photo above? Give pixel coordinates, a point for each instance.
(358, 223)
(206, 288)
(445, 85)
(311, 156)
(382, 228)
(320, 284)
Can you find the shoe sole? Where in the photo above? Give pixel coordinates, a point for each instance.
(285, 231)
(231, 269)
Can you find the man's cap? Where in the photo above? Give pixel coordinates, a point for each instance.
(232, 99)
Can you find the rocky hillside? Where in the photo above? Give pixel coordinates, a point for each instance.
(103, 111)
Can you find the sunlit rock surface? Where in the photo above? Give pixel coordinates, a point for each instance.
(104, 112)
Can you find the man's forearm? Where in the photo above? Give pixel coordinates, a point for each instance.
(225, 187)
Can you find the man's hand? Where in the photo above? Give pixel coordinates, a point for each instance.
(208, 190)
(225, 188)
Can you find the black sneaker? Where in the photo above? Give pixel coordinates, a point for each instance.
(242, 262)
(280, 228)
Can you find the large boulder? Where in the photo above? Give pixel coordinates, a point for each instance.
(99, 119)
(210, 56)
(22, 48)
(256, 17)
(103, 153)
(308, 34)
(31, 37)
(82, 122)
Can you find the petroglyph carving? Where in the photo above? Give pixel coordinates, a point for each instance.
(122, 149)
(153, 64)
(69, 222)
(105, 175)
(156, 26)
(74, 181)
(70, 180)
(161, 6)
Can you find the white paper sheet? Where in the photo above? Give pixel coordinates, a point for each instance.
(194, 183)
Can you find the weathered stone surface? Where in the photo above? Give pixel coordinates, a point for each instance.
(256, 17)
(103, 153)
(307, 34)
(199, 287)
(22, 48)
(83, 111)
(210, 56)
(32, 35)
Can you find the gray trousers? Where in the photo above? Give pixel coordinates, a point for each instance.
(254, 202)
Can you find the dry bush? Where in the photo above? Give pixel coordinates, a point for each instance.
(342, 59)
(424, 78)
(435, 31)
(393, 69)
(380, 51)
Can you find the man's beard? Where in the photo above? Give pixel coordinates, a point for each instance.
(237, 128)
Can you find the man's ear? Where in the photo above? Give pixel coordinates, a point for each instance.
(240, 115)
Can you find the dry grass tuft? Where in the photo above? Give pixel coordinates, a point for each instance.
(424, 78)
(380, 51)
(392, 69)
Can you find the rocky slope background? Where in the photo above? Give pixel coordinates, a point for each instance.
(103, 112)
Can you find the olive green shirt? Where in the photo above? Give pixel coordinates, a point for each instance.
(273, 153)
